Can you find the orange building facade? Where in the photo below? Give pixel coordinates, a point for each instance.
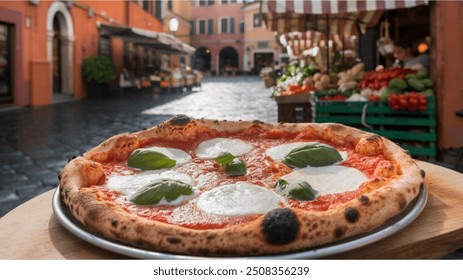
(43, 44)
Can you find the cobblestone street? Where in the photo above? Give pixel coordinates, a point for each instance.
(36, 143)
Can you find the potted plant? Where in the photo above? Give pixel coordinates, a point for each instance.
(98, 72)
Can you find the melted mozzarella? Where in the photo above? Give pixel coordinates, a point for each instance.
(129, 185)
(279, 152)
(238, 199)
(211, 149)
(180, 156)
(328, 179)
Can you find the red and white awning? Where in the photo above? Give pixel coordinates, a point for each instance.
(336, 18)
(322, 7)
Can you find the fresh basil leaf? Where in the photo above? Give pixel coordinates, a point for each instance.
(280, 186)
(314, 155)
(236, 168)
(149, 160)
(155, 192)
(300, 190)
(224, 158)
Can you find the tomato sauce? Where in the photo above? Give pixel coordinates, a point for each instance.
(261, 170)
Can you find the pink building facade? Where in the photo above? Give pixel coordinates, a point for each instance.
(218, 36)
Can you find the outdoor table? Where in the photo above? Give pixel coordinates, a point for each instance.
(31, 230)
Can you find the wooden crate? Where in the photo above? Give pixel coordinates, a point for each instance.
(414, 131)
(294, 108)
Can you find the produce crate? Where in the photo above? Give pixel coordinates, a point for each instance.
(294, 108)
(413, 131)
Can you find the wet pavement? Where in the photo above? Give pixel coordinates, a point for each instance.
(35, 143)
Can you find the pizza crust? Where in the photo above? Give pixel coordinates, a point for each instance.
(401, 184)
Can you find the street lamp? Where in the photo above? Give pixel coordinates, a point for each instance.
(173, 25)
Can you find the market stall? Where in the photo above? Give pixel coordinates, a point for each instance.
(397, 103)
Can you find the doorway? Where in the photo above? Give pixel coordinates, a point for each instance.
(228, 61)
(56, 60)
(202, 59)
(60, 42)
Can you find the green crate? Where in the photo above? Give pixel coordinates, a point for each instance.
(413, 131)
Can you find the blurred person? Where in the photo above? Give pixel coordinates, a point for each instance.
(407, 57)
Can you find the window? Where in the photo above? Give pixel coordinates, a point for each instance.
(242, 27)
(210, 26)
(104, 45)
(262, 45)
(159, 10)
(232, 25)
(169, 5)
(210, 2)
(202, 2)
(192, 27)
(205, 26)
(146, 5)
(257, 20)
(202, 26)
(227, 25)
(224, 25)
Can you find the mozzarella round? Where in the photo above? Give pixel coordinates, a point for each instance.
(330, 179)
(129, 185)
(279, 152)
(212, 148)
(181, 157)
(239, 199)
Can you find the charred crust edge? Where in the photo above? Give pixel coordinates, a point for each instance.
(280, 226)
(351, 214)
(180, 120)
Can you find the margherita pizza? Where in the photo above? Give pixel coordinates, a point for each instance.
(220, 188)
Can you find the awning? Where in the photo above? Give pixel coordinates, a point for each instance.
(323, 7)
(335, 18)
(160, 41)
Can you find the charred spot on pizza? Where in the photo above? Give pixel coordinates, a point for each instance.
(339, 232)
(114, 223)
(180, 120)
(351, 214)
(423, 173)
(174, 240)
(401, 201)
(365, 200)
(280, 226)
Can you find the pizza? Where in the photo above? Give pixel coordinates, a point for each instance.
(204, 187)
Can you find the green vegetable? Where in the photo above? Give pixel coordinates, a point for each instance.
(410, 76)
(312, 155)
(236, 168)
(224, 158)
(398, 83)
(149, 160)
(390, 90)
(421, 74)
(416, 85)
(155, 192)
(299, 190)
(427, 82)
(428, 92)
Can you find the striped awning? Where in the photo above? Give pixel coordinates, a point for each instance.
(323, 7)
(346, 17)
(335, 18)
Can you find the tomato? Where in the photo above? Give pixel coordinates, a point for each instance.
(413, 101)
(422, 108)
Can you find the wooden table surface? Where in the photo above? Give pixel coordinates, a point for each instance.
(31, 230)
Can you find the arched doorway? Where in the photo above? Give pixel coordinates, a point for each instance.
(228, 61)
(56, 59)
(60, 32)
(202, 59)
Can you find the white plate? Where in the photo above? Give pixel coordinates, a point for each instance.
(389, 228)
